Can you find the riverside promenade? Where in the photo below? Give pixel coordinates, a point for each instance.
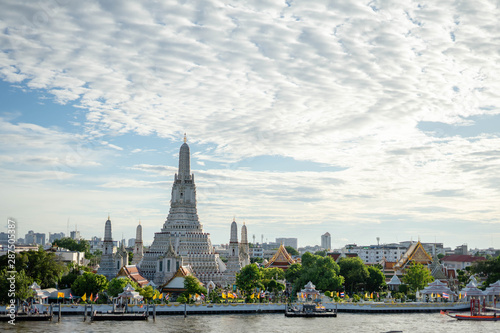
(231, 308)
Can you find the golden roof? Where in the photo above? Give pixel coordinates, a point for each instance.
(281, 257)
(416, 253)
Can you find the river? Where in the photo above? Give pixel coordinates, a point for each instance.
(234, 323)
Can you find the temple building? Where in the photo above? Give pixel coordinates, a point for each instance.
(181, 241)
(281, 259)
(244, 247)
(138, 247)
(111, 262)
(415, 254)
(233, 264)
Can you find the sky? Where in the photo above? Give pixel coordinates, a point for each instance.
(363, 119)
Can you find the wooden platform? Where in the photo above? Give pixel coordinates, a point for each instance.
(119, 316)
(25, 317)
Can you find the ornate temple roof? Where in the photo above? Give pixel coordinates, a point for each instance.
(281, 259)
(176, 283)
(132, 272)
(415, 253)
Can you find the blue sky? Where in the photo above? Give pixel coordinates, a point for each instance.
(367, 119)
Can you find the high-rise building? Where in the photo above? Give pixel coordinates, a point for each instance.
(288, 242)
(55, 236)
(181, 240)
(326, 241)
(75, 235)
(32, 238)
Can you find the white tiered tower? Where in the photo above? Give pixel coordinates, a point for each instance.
(233, 258)
(138, 247)
(182, 240)
(244, 248)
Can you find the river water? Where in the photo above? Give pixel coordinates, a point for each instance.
(235, 323)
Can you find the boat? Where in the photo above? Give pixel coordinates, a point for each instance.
(477, 313)
(309, 310)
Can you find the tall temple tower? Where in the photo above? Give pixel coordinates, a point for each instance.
(138, 247)
(107, 266)
(233, 258)
(244, 248)
(181, 240)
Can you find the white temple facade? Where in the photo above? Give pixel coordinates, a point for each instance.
(181, 241)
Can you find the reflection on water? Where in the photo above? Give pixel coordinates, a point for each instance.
(345, 322)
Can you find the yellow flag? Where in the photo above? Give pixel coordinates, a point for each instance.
(338, 294)
(252, 296)
(161, 296)
(230, 295)
(371, 295)
(366, 295)
(258, 295)
(223, 295)
(459, 296)
(84, 297)
(91, 297)
(439, 296)
(196, 295)
(60, 295)
(154, 296)
(432, 295)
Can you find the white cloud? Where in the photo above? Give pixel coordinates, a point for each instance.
(341, 84)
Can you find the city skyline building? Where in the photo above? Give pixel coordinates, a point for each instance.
(293, 242)
(326, 241)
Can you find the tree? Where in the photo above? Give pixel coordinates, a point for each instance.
(376, 279)
(148, 292)
(22, 285)
(69, 243)
(273, 273)
(355, 273)
(89, 283)
(417, 277)
(321, 271)
(487, 268)
(321, 253)
(293, 273)
(193, 286)
(43, 267)
(249, 278)
(256, 260)
(116, 285)
(130, 256)
(291, 251)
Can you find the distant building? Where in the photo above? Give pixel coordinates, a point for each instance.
(461, 250)
(32, 238)
(75, 235)
(257, 252)
(270, 245)
(4, 238)
(459, 261)
(131, 242)
(326, 241)
(374, 254)
(288, 242)
(55, 236)
(310, 249)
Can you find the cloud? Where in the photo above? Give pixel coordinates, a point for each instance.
(344, 84)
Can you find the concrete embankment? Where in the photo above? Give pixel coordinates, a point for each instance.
(191, 309)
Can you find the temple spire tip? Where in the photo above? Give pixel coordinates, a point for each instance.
(185, 137)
